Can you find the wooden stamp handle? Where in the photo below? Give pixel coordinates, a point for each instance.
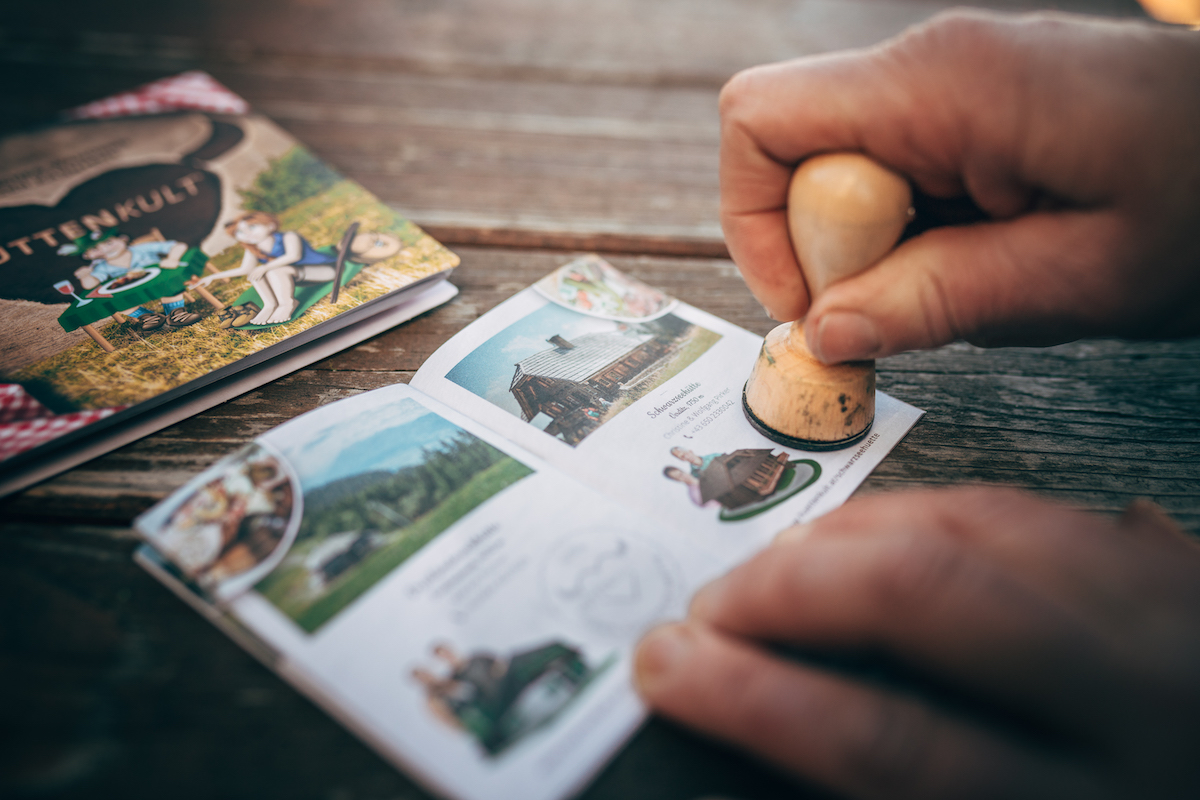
(845, 212)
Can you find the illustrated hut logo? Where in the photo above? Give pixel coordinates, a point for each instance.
(742, 477)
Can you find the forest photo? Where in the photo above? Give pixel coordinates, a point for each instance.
(375, 494)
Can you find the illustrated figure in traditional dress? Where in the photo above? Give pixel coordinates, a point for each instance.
(274, 261)
(112, 256)
(698, 463)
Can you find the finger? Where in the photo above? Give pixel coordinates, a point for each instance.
(1031, 280)
(1118, 581)
(850, 737)
(754, 220)
(763, 137)
(936, 600)
(904, 103)
(1026, 535)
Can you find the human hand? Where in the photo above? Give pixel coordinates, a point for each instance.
(1077, 137)
(1070, 643)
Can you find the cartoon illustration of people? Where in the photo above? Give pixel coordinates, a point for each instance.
(499, 700)
(744, 482)
(698, 463)
(274, 261)
(113, 257)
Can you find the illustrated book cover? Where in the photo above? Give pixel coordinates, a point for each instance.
(168, 248)
(459, 569)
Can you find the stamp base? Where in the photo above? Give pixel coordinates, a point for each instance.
(800, 444)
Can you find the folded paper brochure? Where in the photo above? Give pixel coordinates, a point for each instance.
(459, 569)
(169, 248)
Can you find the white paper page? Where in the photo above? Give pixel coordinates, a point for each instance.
(305, 538)
(690, 398)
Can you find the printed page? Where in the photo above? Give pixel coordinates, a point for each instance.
(455, 600)
(640, 396)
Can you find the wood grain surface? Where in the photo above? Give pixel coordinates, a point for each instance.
(522, 131)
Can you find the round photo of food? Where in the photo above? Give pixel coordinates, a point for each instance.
(592, 286)
(236, 524)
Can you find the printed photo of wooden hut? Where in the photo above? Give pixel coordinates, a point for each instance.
(568, 374)
(574, 382)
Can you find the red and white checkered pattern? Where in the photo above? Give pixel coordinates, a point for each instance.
(193, 90)
(25, 423)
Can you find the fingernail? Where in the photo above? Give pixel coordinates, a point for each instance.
(767, 311)
(844, 336)
(793, 534)
(661, 653)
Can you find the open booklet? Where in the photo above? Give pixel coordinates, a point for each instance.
(459, 569)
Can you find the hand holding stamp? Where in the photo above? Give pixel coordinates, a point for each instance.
(845, 212)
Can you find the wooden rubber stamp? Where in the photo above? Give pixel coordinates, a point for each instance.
(845, 212)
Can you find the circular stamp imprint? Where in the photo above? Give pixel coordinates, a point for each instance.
(610, 580)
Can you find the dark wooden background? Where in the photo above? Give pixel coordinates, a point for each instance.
(520, 132)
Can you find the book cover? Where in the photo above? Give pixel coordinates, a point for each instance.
(154, 242)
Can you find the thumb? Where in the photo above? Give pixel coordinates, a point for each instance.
(1035, 279)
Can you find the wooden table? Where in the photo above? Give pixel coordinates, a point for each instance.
(519, 132)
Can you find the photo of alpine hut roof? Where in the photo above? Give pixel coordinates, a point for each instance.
(574, 382)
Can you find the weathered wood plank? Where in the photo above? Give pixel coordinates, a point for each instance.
(541, 122)
(561, 160)
(564, 162)
(667, 42)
